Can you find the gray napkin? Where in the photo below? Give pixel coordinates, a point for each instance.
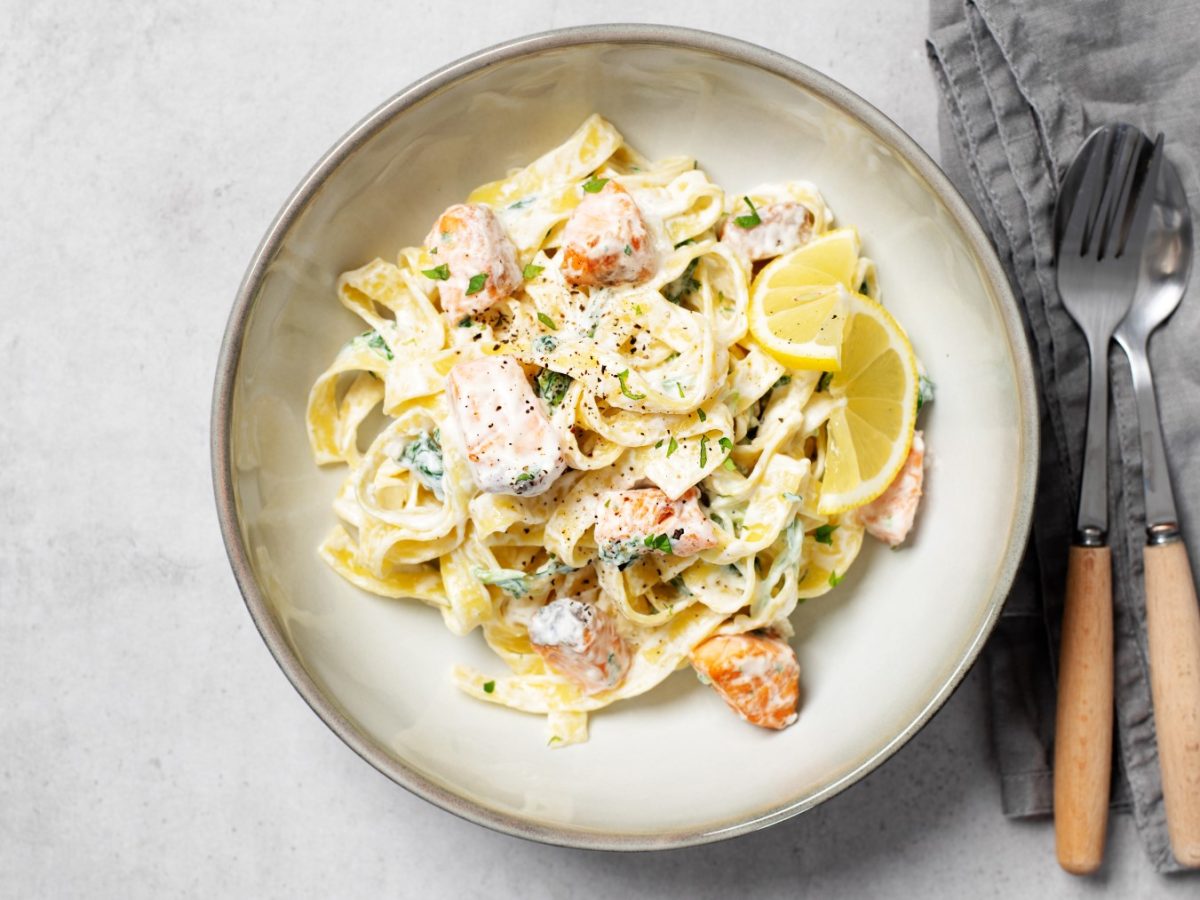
(1023, 83)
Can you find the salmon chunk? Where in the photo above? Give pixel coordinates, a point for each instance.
(889, 517)
(479, 260)
(580, 642)
(757, 675)
(511, 446)
(630, 524)
(606, 241)
(783, 227)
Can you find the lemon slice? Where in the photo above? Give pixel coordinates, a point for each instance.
(798, 324)
(797, 302)
(870, 431)
(834, 254)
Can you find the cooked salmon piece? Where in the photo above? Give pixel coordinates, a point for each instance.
(606, 241)
(756, 674)
(471, 243)
(633, 523)
(511, 446)
(889, 517)
(783, 227)
(580, 642)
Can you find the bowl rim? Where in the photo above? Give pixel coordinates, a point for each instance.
(734, 49)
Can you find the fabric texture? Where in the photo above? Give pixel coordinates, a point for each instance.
(1022, 85)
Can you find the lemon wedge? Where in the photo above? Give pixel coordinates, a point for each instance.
(797, 302)
(870, 430)
(834, 254)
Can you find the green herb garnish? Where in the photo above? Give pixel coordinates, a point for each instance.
(684, 284)
(926, 390)
(552, 386)
(823, 381)
(489, 686)
(595, 185)
(685, 242)
(621, 377)
(628, 250)
(465, 322)
(824, 534)
(703, 416)
(835, 579)
(437, 273)
(525, 476)
(751, 220)
(547, 321)
(658, 542)
(703, 450)
(672, 445)
(475, 285)
(532, 271)
(726, 444)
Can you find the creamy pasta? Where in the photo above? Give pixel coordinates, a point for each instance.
(584, 454)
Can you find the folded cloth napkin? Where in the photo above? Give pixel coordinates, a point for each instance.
(1023, 83)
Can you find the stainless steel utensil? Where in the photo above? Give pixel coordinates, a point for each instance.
(1101, 222)
(1172, 614)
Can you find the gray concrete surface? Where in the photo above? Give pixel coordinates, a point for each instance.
(148, 744)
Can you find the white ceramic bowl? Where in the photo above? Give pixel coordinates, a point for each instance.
(879, 655)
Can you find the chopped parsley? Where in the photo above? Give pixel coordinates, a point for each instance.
(751, 220)
(547, 321)
(552, 386)
(532, 271)
(489, 686)
(522, 203)
(621, 377)
(423, 457)
(703, 450)
(526, 476)
(465, 322)
(374, 341)
(783, 379)
(475, 285)
(685, 242)
(658, 542)
(544, 343)
(926, 390)
(628, 250)
(702, 415)
(437, 273)
(824, 534)
(823, 381)
(519, 584)
(726, 444)
(672, 445)
(730, 464)
(595, 185)
(835, 579)
(684, 284)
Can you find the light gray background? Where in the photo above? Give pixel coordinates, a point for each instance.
(148, 744)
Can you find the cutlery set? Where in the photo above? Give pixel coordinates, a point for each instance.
(1124, 249)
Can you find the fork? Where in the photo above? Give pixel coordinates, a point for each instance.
(1102, 218)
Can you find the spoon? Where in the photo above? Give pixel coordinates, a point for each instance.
(1172, 614)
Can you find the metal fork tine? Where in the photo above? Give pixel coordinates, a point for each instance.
(1130, 167)
(1087, 198)
(1107, 220)
(1139, 224)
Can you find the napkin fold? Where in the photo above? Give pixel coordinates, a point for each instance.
(1022, 85)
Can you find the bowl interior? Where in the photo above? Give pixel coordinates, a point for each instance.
(876, 654)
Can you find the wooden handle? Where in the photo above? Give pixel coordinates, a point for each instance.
(1173, 629)
(1083, 737)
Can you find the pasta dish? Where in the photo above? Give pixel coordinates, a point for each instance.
(621, 422)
